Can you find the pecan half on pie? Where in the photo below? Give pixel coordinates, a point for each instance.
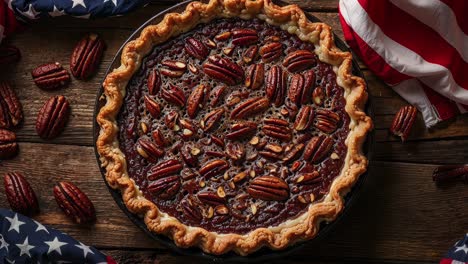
(234, 125)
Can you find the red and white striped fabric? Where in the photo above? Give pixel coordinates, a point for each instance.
(419, 47)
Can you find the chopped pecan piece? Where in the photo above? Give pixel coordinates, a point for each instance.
(318, 96)
(217, 95)
(223, 69)
(294, 153)
(250, 107)
(235, 151)
(299, 60)
(211, 198)
(191, 210)
(403, 121)
(277, 128)
(268, 188)
(275, 85)
(210, 120)
(309, 178)
(318, 148)
(213, 167)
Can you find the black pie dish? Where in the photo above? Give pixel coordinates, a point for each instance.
(264, 253)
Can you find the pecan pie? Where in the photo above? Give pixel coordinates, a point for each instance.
(234, 125)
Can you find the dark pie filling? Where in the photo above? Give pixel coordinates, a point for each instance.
(215, 198)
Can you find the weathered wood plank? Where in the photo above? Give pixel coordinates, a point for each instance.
(381, 226)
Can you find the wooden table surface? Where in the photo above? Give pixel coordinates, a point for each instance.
(401, 215)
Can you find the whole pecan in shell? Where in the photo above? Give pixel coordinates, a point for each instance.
(318, 148)
(50, 76)
(403, 121)
(268, 188)
(293, 153)
(19, 193)
(275, 85)
(8, 145)
(165, 188)
(196, 48)
(86, 56)
(11, 111)
(74, 203)
(52, 117)
(223, 69)
(299, 60)
(250, 107)
(9, 54)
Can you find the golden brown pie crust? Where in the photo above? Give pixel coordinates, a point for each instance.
(303, 227)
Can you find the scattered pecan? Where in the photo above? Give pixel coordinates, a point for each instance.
(211, 198)
(165, 188)
(299, 60)
(197, 99)
(304, 118)
(189, 154)
(149, 150)
(254, 76)
(235, 151)
(309, 178)
(223, 69)
(213, 167)
(268, 188)
(86, 56)
(327, 121)
(164, 169)
(318, 148)
(8, 145)
(174, 95)
(403, 121)
(152, 106)
(223, 36)
(9, 54)
(11, 111)
(188, 128)
(318, 96)
(159, 138)
(244, 37)
(52, 117)
(300, 87)
(210, 120)
(277, 128)
(50, 76)
(449, 173)
(19, 194)
(275, 85)
(294, 153)
(171, 120)
(196, 48)
(242, 130)
(173, 68)
(271, 51)
(154, 82)
(250, 107)
(74, 203)
(250, 54)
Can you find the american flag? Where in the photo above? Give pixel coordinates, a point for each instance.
(24, 240)
(458, 254)
(12, 12)
(419, 47)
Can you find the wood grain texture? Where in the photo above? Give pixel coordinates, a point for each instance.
(400, 216)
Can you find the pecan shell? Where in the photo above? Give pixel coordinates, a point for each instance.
(74, 203)
(50, 76)
(8, 145)
(223, 69)
(275, 85)
(268, 188)
(86, 56)
(299, 60)
(19, 193)
(403, 121)
(250, 107)
(11, 111)
(52, 117)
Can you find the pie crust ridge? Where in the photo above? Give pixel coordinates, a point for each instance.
(303, 227)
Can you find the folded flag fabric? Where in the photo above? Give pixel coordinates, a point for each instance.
(24, 240)
(458, 254)
(417, 47)
(23, 10)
